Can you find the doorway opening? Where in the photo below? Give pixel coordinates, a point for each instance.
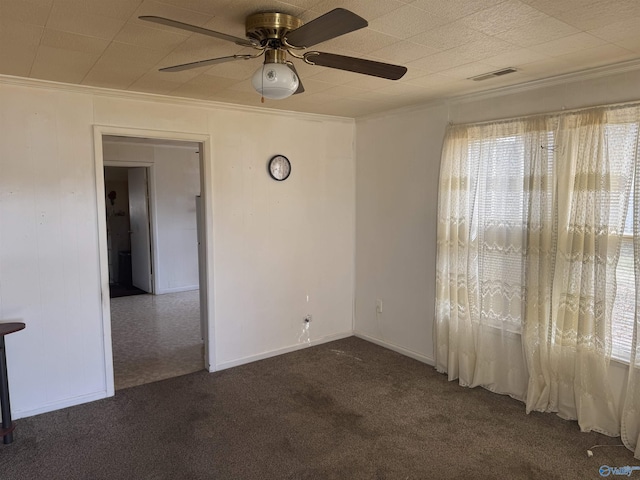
(128, 231)
(156, 257)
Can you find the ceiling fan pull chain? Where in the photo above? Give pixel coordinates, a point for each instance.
(262, 88)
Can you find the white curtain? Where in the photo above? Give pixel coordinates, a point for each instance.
(481, 243)
(631, 408)
(569, 349)
(530, 220)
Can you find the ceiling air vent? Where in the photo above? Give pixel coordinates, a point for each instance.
(497, 73)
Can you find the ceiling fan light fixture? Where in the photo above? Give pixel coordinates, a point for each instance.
(275, 81)
(276, 35)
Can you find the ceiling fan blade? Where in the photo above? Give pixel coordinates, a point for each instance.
(357, 65)
(300, 86)
(193, 28)
(204, 63)
(330, 25)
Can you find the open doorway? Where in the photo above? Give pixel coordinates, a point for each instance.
(128, 230)
(157, 314)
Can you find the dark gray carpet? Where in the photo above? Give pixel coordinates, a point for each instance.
(344, 410)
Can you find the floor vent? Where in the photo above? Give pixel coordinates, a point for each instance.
(497, 73)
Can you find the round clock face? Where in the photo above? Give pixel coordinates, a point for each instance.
(279, 167)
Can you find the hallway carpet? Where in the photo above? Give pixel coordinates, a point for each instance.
(343, 410)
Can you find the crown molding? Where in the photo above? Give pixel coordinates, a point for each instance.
(563, 79)
(164, 99)
(592, 73)
(437, 102)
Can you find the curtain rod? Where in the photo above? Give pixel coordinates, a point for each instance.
(611, 106)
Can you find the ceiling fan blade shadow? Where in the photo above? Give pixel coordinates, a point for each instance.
(357, 65)
(204, 63)
(330, 25)
(300, 86)
(193, 28)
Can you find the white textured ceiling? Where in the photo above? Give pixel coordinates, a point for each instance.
(442, 42)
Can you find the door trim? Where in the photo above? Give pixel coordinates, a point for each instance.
(206, 190)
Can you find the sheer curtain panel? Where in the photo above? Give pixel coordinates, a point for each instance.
(531, 219)
(631, 409)
(481, 244)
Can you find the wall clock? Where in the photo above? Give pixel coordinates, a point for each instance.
(279, 167)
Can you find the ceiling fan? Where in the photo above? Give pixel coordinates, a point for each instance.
(277, 35)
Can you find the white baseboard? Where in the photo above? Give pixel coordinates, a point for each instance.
(188, 288)
(404, 351)
(280, 351)
(50, 407)
(70, 402)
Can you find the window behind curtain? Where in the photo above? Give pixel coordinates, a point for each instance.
(623, 315)
(500, 217)
(500, 220)
(498, 224)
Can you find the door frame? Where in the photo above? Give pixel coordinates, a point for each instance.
(206, 191)
(151, 187)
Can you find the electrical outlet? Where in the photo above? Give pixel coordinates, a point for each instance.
(379, 306)
(308, 318)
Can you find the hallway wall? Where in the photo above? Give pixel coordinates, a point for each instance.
(174, 183)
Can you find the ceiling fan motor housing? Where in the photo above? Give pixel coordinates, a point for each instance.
(266, 26)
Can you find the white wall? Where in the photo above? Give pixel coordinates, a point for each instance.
(398, 156)
(281, 243)
(397, 169)
(275, 244)
(175, 182)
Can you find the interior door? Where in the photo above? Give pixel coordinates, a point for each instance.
(140, 231)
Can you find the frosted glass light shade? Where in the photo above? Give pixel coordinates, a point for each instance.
(275, 81)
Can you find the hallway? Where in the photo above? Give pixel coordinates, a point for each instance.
(155, 337)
